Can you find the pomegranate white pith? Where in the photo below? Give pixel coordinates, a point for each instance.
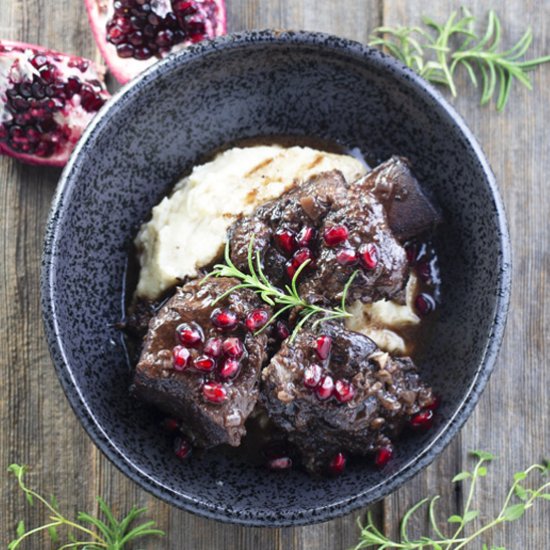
(47, 99)
(133, 34)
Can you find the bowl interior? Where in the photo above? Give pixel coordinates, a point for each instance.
(191, 104)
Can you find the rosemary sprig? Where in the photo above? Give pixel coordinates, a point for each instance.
(108, 534)
(281, 299)
(518, 500)
(432, 53)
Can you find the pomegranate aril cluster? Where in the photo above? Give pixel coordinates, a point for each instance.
(217, 358)
(213, 357)
(318, 380)
(423, 260)
(140, 32)
(296, 247)
(366, 256)
(33, 104)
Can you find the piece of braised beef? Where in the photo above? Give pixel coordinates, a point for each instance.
(339, 228)
(409, 211)
(333, 391)
(200, 363)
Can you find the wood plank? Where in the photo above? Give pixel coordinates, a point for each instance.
(511, 419)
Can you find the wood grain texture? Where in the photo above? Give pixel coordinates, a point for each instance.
(512, 418)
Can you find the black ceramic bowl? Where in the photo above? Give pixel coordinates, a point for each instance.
(241, 86)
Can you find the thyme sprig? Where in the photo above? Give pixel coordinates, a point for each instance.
(432, 53)
(281, 299)
(517, 501)
(107, 534)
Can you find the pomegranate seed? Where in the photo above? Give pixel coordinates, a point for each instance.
(280, 463)
(300, 256)
(170, 424)
(424, 270)
(229, 368)
(424, 304)
(213, 347)
(224, 319)
(312, 376)
(286, 241)
(335, 235)
(347, 256)
(190, 334)
(411, 249)
(283, 331)
(343, 391)
(383, 456)
(256, 319)
(214, 392)
(305, 236)
(325, 388)
(369, 255)
(323, 346)
(182, 448)
(435, 404)
(233, 347)
(180, 358)
(204, 363)
(337, 464)
(422, 420)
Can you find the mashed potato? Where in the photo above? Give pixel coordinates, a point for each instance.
(188, 229)
(384, 321)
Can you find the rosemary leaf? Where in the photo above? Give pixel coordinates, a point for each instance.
(433, 54)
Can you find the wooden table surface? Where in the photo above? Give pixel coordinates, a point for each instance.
(38, 427)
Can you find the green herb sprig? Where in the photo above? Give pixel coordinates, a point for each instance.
(285, 299)
(518, 500)
(432, 53)
(108, 534)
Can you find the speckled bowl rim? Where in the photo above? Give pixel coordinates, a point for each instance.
(244, 40)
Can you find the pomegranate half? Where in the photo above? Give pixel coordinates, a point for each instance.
(46, 100)
(133, 34)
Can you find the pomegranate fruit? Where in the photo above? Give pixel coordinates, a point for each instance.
(229, 368)
(312, 376)
(213, 347)
(233, 347)
(283, 332)
(305, 236)
(133, 34)
(337, 464)
(47, 100)
(256, 319)
(180, 358)
(325, 388)
(204, 363)
(383, 456)
(335, 235)
(343, 391)
(182, 448)
(347, 256)
(300, 256)
(280, 463)
(286, 241)
(323, 345)
(224, 319)
(422, 420)
(369, 256)
(190, 334)
(214, 392)
(424, 304)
